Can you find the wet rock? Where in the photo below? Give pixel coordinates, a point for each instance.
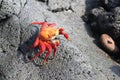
(102, 21)
(110, 4)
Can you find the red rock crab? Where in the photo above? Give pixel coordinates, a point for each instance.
(45, 39)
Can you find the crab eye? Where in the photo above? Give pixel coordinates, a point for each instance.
(56, 38)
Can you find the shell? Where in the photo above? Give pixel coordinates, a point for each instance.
(108, 43)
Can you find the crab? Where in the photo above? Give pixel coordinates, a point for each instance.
(46, 39)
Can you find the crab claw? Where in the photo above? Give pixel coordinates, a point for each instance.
(61, 31)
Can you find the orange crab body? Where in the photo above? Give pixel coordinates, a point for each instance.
(48, 33)
(45, 39)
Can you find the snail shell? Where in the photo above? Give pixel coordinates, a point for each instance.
(108, 43)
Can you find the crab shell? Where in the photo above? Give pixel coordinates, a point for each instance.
(48, 33)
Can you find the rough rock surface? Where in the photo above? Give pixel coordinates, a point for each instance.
(105, 18)
(79, 59)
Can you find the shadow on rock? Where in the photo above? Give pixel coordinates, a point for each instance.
(88, 18)
(27, 41)
(116, 70)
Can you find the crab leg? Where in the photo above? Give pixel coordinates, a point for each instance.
(42, 49)
(52, 24)
(37, 22)
(55, 46)
(44, 24)
(55, 50)
(35, 44)
(49, 49)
